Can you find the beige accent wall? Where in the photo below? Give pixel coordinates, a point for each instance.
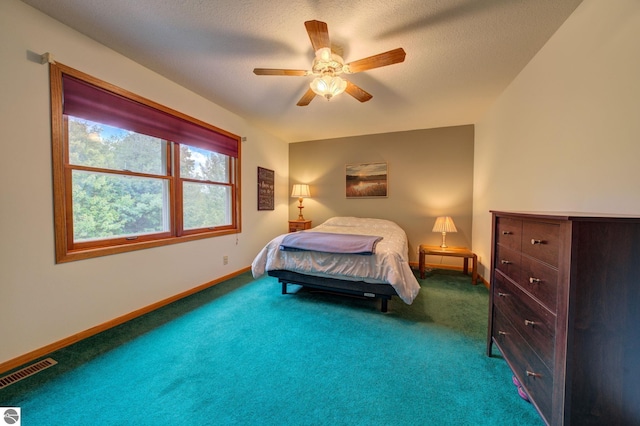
(430, 173)
(565, 135)
(41, 302)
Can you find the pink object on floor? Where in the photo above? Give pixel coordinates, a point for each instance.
(515, 381)
(521, 391)
(523, 394)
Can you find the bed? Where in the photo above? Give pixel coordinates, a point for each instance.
(347, 268)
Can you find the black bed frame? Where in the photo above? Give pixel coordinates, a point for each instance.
(356, 288)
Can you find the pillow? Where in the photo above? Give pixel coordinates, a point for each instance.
(359, 221)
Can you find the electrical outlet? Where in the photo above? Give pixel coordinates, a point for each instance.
(225, 260)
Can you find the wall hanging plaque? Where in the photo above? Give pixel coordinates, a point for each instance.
(265, 189)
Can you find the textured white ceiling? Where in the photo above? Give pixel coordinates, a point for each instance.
(461, 54)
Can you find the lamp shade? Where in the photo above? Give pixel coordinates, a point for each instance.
(300, 191)
(328, 86)
(444, 224)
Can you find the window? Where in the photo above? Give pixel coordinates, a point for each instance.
(131, 174)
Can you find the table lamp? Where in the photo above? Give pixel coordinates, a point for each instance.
(300, 191)
(444, 224)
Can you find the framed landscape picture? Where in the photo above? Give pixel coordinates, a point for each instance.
(265, 189)
(366, 180)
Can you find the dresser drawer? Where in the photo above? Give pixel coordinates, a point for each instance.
(509, 232)
(299, 225)
(541, 241)
(528, 368)
(540, 280)
(534, 323)
(508, 262)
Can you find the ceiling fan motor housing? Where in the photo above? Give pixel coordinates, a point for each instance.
(327, 62)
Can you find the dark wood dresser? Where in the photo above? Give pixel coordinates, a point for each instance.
(565, 313)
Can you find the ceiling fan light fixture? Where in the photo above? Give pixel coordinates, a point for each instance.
(327, 67)
(328, 86)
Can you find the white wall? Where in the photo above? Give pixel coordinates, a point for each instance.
(564, 136)
(41, 302)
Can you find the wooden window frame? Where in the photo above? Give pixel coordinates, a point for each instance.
(65, 249)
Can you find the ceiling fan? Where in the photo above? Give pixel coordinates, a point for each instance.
(327, 67)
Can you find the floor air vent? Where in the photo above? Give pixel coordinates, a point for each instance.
(23, 373)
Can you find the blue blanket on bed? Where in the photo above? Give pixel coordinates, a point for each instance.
(328, 242)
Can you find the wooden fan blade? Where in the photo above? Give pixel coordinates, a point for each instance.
(306, 98)
(318, 34)
(272, 71)
(376, 61)
(357, 92)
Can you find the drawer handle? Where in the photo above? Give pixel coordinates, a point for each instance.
(502, 333)
(532, 374)
(531, 323)
(500, 294)
(534, 280)
(534, 242)
(507, 232)
(505, 262)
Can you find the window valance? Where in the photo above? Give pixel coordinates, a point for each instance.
(84, 100)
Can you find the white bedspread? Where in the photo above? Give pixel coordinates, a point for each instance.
(390, 263)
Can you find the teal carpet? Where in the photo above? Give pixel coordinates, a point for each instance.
(242, 353)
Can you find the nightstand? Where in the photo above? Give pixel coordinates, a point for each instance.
(465, 253)
(299, 225)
